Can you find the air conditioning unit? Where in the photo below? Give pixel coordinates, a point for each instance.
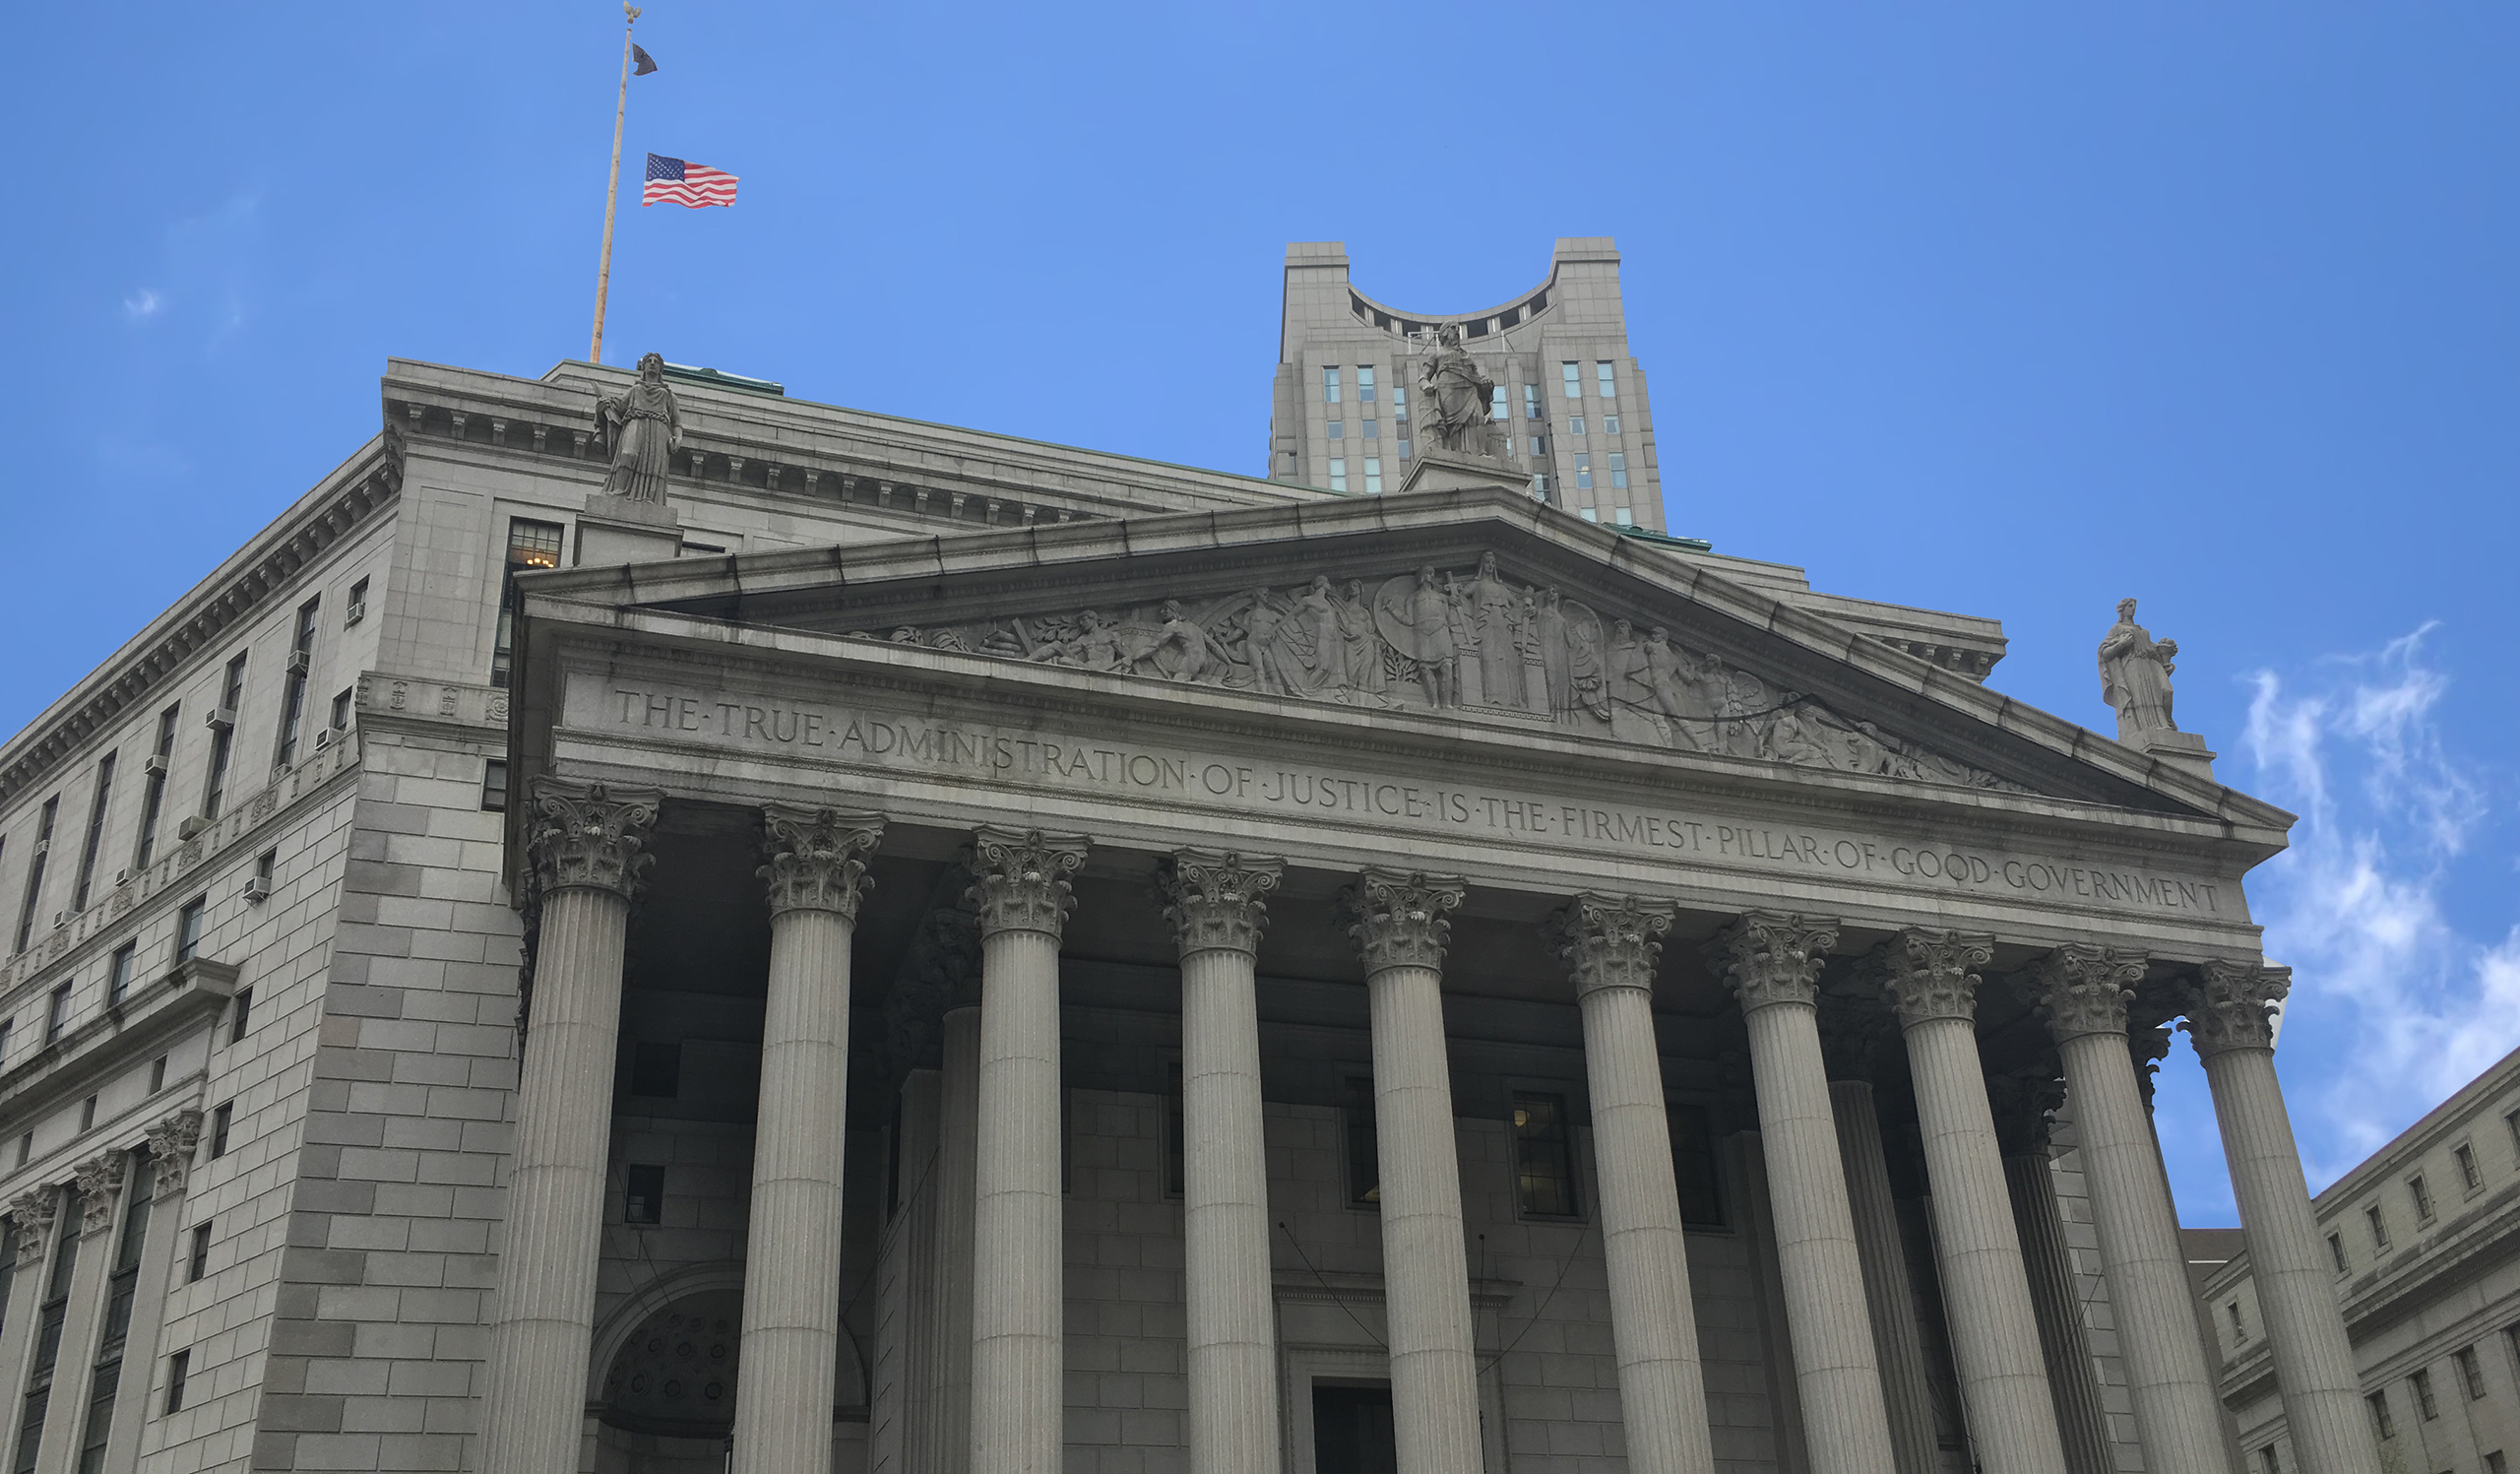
(155, 765)
(323, 737)
(43, 846)
(62, 917)
(220, 719)
(298, 663)
(123, 877)
(258, 888)
(357, 612)
(192, 828)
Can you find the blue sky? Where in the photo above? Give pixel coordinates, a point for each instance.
(2000, 308)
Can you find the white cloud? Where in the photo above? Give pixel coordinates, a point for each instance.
(2394, 1006)
(142, 304)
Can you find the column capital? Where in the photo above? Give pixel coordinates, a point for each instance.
(1397, 916)
(2080, 989)
(1609, 942)
(35, 1210)
(171, 1149)
(1928, 975)
(588, 836)
(1019, 878)
(2231, 1005)
(100, 1184)
(815, 859)
(1773, 957)
(1217, 902)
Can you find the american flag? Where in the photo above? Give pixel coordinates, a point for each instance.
(675, 182)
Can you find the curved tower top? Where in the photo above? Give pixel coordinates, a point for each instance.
(1570, 400)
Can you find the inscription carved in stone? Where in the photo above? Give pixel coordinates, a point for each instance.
(1472, 641)
(1020, 880)
(2232, 1005)
(1217, 902)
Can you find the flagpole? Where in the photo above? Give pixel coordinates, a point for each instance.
(612, 191)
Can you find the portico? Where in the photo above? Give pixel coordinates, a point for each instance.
(1236, 842)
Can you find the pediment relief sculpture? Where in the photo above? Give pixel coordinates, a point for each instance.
(1469, 641)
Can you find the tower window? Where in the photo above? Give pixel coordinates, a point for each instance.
(1573, 377)
(1338, 474)
(1373, 476)
(1330, 386)
(1603, 381)
(1543, 1156)
(1364, 384)
(531, 546)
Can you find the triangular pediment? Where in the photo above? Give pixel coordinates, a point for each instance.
(1473, 607)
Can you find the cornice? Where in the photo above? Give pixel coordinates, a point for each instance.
(252, 579)
(157, 1013)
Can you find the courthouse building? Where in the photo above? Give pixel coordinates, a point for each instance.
(643, 925)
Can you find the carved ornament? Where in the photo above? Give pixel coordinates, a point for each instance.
(1475, 641)
(1773, 957)
(1398, 917)
(2080, 989)
(1929, 975)
(2231, 1005)
(815, 859)
(1609, 942)
(171, 1149)
(586, 836)
(34, 1212)
(100, 1184)
(1217, 902)
(1020, 880)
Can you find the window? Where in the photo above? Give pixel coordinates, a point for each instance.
(1373, 476)
(153, 797)
(8, 1026)
(1539, 445)
(2494, 1463)
(87, 1114)
(531, 544)
(220, 1121)
(2470, 1372)
(96, 832)
(197, 1261)
(1619, 471)
(1365, 1147)
(2379, 1227)
(2381, 1421)
(1338, 430)
(1573, 377)
(2416, 1189)
(656, 1070)
(1539, 485)
(1544, 1155)
(1338, 474)
(1574, 424)
(52, 1314)
(240, 1019)
(56, 1013)
(1496, 409)
(157, 1074)
(1584, 471)
(1373, 429)
(1609, 425)
(34, 872)
(1404, 450)
(1400, 402)
(2469, 1176)
(1364, 384)
(2336, 1252)
(1602, 373)
(2511, 1123)
(643, 1198)
(1176, 1166)
(293, 701)
(2421, 1382)
(188, 928)
(2267, 1464)
(178, 1368)
(223, 741)
(1330, 386)
(1587, 514)
(105, 1381)
(26, 1147)
(1693, 1167)
(494, 785)
(341, 721)
(2239, 1330)
(1531, 402)
(357, 610)
(118, 973)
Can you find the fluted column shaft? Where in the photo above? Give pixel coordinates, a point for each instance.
(2082, 1424)
(1023, 896)
(948, 1436)
(2227, 1021)
(1217, 905)
(1773, 963)
(1609, 942)
(815, 870)
(1933, 984)
(586, 847)
(2084, 992)
(1398, 922)
(1889, 1297)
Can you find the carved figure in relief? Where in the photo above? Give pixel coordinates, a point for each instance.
(1455, 395)
(1181, 649)
(1677, 682)
(645, 425)
(1366, 674)
(1496, 610)
(2134, 675)
(1094, 646)
(1417, 619)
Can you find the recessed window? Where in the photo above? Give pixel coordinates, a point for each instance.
(1572, 376)
(1693, 1167)
(1338, 474)
(1365, 1147)
(220, 1121)
(98, 800)
(1400, 402)
(1176, 1166)
(1496, 409)
(643, 1198)
(1575, 424)
(1603, 380)
(2379, 1226)
(2470, 1372)
(56, 1013)
(197, 1262)
(1338, 430)
(2336, 1252)
(2494, 1463)
(1365, 383)
(28, 907)
(1582, 471)
(1404, 450)
(2422, 1195)
(188, 923)
(157, 1074)
(656, 1069)
(1609, 425)
(1544, 1155)
(1373, 476)
(153, 791)
(1587, 514)
(2421, 1382)
(1531, 402)
(357, 610)
(1373, 429)
(240, 1015)
(8, 1026)
(531, 546)
(118, 973)
(340, 718)
(1539, 445)
(1330, 386)
(223, 741)
(87, 1114)
(26, 1147)
(2239, 1331)
(2469, 1175)
(178, 1369)
(494, 785)
(292, 701)
(1624, 516)
(2267, 1464)
(1619, 471)
(2381, 1423)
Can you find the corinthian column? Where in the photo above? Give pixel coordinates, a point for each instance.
(586, 854)
(1023, 895)
(815, 870)
(1216, 906)
(2082, 992)
(2228, 1020)
(1771, 962)
(1398, 922)
(1931, 980)
(1609, 946)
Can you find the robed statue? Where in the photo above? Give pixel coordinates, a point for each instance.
(1454, 395)
(645, 425)
(2134, 676)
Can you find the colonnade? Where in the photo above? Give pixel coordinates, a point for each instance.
(586, 853)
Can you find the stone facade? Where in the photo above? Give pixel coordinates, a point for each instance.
(1108, 966)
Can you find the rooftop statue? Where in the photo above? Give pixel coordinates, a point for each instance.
(2134, 676)
(1455, 395)
(646, 427)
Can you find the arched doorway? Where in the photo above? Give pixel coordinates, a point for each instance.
(669, 1398)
